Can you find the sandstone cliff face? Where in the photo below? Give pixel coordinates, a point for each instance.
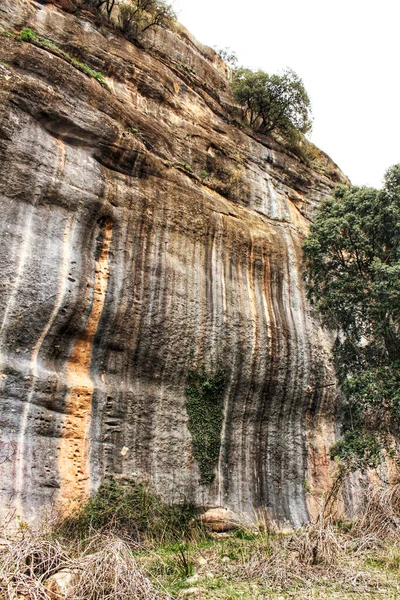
(122, 268)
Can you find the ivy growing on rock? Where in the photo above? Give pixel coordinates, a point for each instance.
(204, 404)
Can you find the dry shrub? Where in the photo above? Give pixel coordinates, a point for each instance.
(275, 565)
(26, 561)
(104, 568)
(319, 543)
(317, 555)
(324, 550)
(111, 573)
(380, 516)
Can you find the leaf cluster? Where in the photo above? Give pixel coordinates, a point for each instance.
(352, 258)
(273, 102)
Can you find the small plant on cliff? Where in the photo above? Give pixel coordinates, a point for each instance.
(27, 35)
(352, 259)
(138, 16)
(186, 166)
(273, 102)
(204, 404)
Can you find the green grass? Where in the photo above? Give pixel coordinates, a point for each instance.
(7, 33)
(230, 568)
(29, 36)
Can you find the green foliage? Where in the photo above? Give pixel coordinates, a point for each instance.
(133, 510)
(186, 166)
(273, 102)
(27, 35)
(204, 174)
(7, 33)
(352, 258)
(138, 16)
(358, 449)
(204, 405)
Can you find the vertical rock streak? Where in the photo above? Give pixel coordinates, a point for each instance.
(73, 454)
(202, 267)
(23, 250)
(62, 288)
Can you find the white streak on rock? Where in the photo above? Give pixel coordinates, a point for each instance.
(62, 288)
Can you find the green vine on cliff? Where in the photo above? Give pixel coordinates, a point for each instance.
(204, 404)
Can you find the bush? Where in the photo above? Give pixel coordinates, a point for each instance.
(103, 569)
(273, 102)
(133, 511)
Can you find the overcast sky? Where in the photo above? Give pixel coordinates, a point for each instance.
(346, 52)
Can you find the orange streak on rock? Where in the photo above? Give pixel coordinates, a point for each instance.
(73, 455)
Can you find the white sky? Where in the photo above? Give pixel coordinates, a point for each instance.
(346, 51)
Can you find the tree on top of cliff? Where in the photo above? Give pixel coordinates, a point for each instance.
(273, 102)
(352, 258)
(138, 16)
(135, 17)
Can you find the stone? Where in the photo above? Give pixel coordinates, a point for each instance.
(189, 592)
(220, 520)
(126, 270)
(67, 5)
(60, 585)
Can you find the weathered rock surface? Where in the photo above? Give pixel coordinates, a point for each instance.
(122, 267)
(60, 585)
(220, 519)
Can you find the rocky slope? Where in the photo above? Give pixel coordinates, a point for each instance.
(145, 235)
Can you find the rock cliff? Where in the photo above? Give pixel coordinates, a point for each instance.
(146, 236)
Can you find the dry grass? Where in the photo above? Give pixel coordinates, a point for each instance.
(104, 568)
(324, 560)
(380, 517)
